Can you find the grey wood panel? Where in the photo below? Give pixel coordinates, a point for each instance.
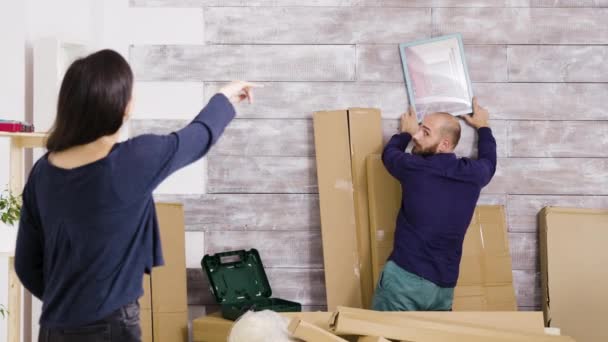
(255, 137)
(240, 3)
(237, 3)
(486, 63)
(280, 249)
(550, 63)
(247, 137)
(467, 147)
(524, 25)
(483, 3)
(524, 251)
(433, 3)
(301, 99)
(276, 212)
(544, 101)
(527, 288)
(558, 139)
(229, 174)
(247, 62)
(315, 25)
(563, 3)
(305, 286)
(492, 199)
(380, 3)
(550, 176)
(522, 211)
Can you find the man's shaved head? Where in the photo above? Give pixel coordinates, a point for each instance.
(449, 127)
(438, 133)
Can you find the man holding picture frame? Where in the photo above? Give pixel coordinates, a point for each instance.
(439, 190)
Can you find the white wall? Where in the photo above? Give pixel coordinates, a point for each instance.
(12, 101)
(12, 69)
(21, 23)
(99, 24)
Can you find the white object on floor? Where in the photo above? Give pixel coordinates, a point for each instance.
(260, 326)
(553, 331)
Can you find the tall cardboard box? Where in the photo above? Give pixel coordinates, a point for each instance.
(338, 227)
(574, 280)
(168, 282)
(169, 292)
(343, 139)
(164, 306)
(485, 282)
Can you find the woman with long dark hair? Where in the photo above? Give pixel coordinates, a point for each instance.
(88, 228)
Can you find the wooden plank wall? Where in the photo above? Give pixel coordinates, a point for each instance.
(537, 65)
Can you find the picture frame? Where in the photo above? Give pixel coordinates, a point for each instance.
(436, 76)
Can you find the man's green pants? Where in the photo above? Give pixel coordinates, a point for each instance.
(399, 290)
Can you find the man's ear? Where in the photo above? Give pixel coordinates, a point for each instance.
(445, 146)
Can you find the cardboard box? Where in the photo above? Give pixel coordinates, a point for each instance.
(145, 301)
(365, 322)
(170, 327)
(365, 134)
(164, 307)
(310, 332)
(486, 275)
(372, 339)
(145, 319)
(574, 281)
(485, 282)
(169, 292)
(338, 227)
(213, 328)
(343, 139)
(145, 305)
(384, 203)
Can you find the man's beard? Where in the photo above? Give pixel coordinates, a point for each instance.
(425, 152)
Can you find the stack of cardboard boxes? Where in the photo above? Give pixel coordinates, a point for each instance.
(359, 201)
(348, 324)
(164, 306)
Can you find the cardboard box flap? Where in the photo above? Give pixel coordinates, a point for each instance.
(365, 135)
(384, 202)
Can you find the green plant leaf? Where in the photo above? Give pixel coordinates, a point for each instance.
(10, 207)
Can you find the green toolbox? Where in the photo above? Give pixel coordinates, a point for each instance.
(239, 283)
